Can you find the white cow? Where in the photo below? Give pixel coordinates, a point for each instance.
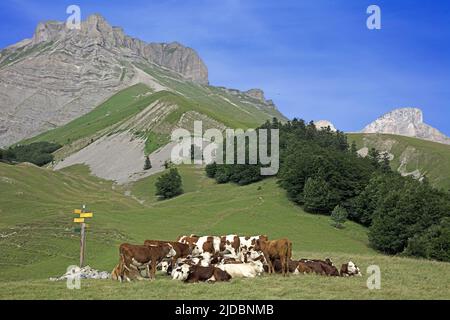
(243, 270)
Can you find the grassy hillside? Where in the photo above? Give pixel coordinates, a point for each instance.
(152, 116)
(120, 106)
(410, 154)
(37, 240)
(235, 110)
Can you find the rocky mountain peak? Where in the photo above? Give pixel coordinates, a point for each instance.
(406, 122)
(96, 31)
(96, 24)
(408, 115)
(323, 124)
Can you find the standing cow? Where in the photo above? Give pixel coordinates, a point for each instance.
(276, 249)
(133, 257)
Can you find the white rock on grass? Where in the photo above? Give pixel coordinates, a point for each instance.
(83, 273)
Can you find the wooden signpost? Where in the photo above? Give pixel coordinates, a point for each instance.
(82, 215)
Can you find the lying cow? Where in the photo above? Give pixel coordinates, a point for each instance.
(321, 267)
(276, 249)
(134, 257)
(292, 265)
(243, 270)
(204, 260)
(181, 272)
(210, 274)
(350, 269)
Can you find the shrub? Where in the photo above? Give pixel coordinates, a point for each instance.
(39, 153)
(211, 170)
(169, 184)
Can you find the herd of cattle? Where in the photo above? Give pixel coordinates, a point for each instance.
(211, 258)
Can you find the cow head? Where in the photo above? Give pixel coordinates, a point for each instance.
(170, 251)
(353, 269)
(259, 244)
(329, 262)
(253, 255)
(350, 269)
(259, 267)
(163, 266)
(195, 250)
(181, 272)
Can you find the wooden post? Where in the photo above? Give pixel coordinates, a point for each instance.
(83, 240)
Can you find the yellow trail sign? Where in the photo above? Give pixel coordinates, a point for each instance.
(78, 220)
(86, 215)
(77, 211)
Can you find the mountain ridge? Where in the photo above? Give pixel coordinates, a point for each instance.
(60, 75)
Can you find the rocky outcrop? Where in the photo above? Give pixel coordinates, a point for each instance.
(324, 124)
(61, 74)
(406, 122)
(96, 31)
(258, 94)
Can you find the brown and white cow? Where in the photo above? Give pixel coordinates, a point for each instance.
(134, 257)
(248, 243)
(210, 274)
(189, 240)
(276, 249)
(322, 267)
(247, 249)
(230, 243)
(209, 244)
(182, 249)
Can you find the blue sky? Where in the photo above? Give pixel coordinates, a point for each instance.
(316, 59)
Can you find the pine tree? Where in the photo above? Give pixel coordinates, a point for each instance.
(339, 216)
(385, 162)
(374, 156)
(147, 164)
(316, 196)
(353, 148)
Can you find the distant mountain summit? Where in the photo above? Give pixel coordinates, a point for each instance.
(406, 122)
(324, 124)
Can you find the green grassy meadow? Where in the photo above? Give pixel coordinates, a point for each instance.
(37, 238)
